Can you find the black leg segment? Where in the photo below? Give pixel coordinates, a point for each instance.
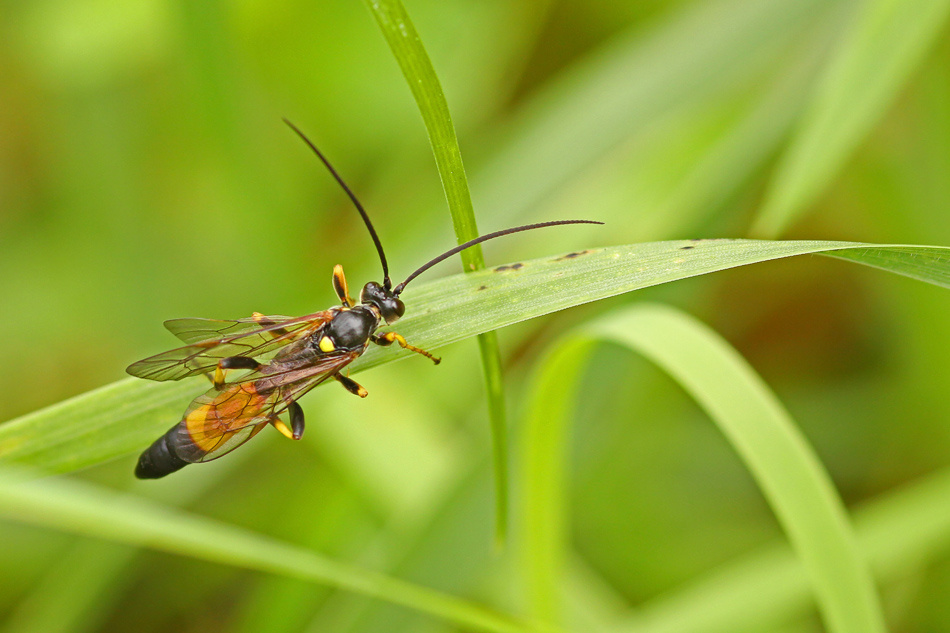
(232, 362)
(296, 420)
(238, 362)
(351, 385)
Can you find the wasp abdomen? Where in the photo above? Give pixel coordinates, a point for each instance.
(160, 458)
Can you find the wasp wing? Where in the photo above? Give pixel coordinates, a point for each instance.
(217, 422)
(198, 330)
(252, 340)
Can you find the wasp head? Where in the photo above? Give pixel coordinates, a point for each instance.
(389, 305)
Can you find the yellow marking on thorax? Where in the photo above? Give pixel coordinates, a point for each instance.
(326, 345)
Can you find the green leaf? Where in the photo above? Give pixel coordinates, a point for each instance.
(752, 419)
(406, 46)
(90, 511)
(880, 50)
(126, 416)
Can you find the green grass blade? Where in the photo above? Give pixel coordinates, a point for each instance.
(495, 393)
(84, 509)
(126, 416)
(406, 46)
(77, 594)
(883, 46)
(544, 533)
(784, 466)
(786, 469)
(895, 533)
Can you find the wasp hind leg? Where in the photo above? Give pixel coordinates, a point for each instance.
(231, 362)
(391, 337)
(295, 432)
(339, 285)
(351, 385)
(265, 322)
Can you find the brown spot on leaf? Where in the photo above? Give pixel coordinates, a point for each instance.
(572, 255)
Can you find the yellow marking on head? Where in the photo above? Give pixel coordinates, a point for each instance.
(326, 345)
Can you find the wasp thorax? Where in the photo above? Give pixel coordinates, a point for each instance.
(390, 306)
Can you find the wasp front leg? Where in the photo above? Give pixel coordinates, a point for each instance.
(391, 337)
(295, 432)
(351, 385)
(231, 362)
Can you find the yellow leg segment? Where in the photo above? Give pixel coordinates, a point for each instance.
(232, 362)
(339, 285)
(219, 375)
(283, 428)
(392, 337)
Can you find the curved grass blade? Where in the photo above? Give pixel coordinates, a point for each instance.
(752, 419)
(406, 46)
(882, 47)
(544, 536)
(126, 416)
(96, 512)
(895, 533)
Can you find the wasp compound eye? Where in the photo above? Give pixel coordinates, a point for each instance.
(391, 309)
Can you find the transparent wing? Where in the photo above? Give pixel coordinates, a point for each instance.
(198, 330)
(217, 422)
(251, 339)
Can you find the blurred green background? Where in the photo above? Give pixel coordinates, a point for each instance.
(145, 174)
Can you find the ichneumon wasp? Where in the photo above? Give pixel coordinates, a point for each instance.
(309, 350)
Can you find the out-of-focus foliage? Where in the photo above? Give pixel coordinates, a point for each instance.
(145, 174)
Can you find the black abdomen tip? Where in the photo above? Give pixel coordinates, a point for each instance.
(159, 459)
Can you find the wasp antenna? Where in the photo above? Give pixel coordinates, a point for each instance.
(387, 282)
(479, 240)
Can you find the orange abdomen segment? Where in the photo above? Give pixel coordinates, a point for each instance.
(212, 424)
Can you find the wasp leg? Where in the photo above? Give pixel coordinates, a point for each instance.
(295, 432)
(231, 362)
(391, 337)
(264, 321)
(280, 426)
(339, 285)
(351, 385)
(296, 420)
